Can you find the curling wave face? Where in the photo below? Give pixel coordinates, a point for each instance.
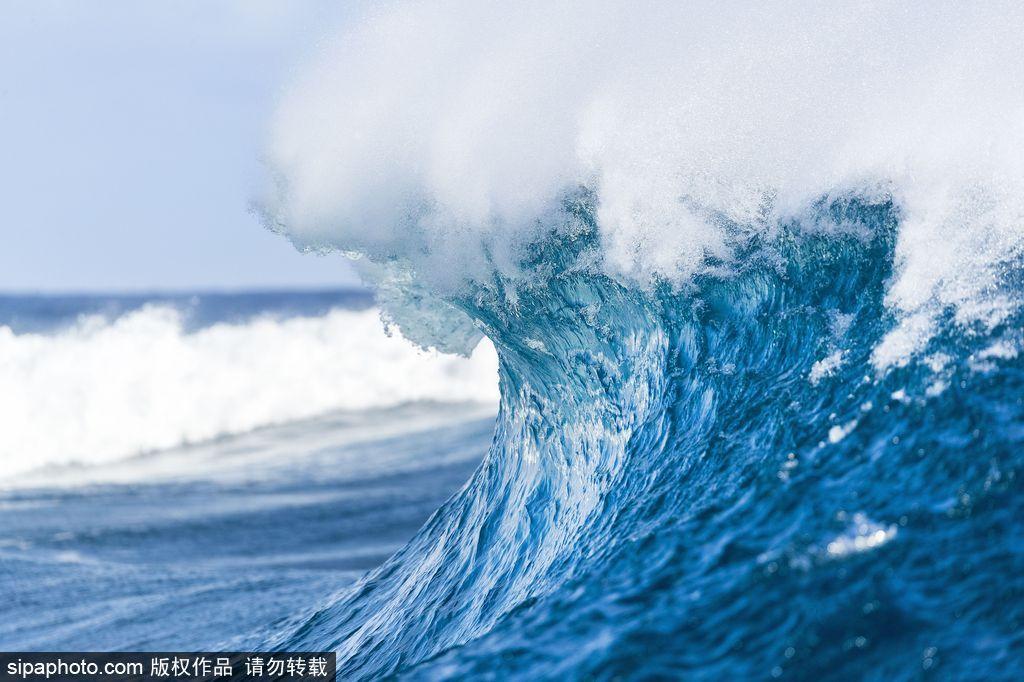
(103, 389)
(718, 482)
(754, 280)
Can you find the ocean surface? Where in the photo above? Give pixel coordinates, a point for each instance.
(697, 484)
(219, 542)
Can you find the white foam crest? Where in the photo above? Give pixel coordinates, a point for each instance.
(103, 390)
(438, 133)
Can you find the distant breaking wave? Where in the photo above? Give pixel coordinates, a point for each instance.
(753, 274)
(105, 389)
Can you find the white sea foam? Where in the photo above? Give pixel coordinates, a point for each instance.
(863, 535)
(103, 390)
(826, 367)
(438, 133)
(839, 432)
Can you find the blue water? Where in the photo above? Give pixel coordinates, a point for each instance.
(215, 545)
(667, 494)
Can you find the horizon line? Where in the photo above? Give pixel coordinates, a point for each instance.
(181, 291)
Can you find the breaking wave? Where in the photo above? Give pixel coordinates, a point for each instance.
(718, 481)
(104, 389)
(753, 275)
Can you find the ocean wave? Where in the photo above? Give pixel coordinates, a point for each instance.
(744, 269)
(105, 388)
(673, 473)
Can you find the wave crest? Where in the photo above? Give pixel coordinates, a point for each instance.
(441, 139)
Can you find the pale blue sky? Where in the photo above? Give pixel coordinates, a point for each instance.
(130, 136)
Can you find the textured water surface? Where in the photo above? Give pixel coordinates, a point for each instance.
(213, 546)
(724, 481)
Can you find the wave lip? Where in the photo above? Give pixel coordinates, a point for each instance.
(441, 140)
(107, 389)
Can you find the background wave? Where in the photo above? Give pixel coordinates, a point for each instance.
(105, 388)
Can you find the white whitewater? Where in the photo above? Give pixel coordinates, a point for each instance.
(437, 136)
(107, 389)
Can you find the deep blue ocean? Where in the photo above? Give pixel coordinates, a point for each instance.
(714, 482)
